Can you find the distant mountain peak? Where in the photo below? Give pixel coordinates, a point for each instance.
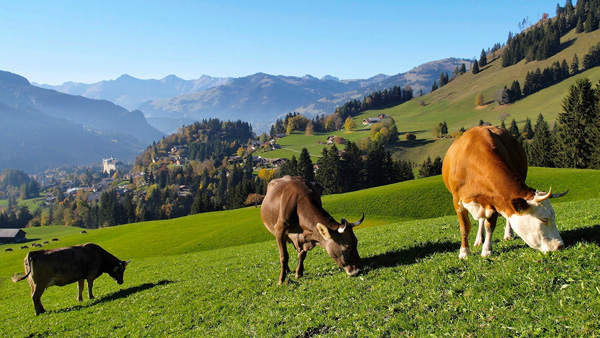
(330, 78)
(13, 80)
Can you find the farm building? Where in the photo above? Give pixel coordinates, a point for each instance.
(11, 235)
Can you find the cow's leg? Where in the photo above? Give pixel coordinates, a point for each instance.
(38, 290)
(490, 225)
(300, 267)
(80, 289)
(508, 233)
(284, 257)
(90, 281)
(465, 229)
(479, 238)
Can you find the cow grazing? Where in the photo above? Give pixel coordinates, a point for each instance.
(24, 247)
(62, 266)
(292, 212)
(8, 249)
(54, 239)
(46, 242)
(485, 170)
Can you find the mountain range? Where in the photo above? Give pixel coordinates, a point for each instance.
(259, 98)
(42, 128)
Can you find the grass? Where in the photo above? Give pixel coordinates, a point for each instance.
(215, 275)
(414, 285)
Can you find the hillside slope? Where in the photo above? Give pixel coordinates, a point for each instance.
(455, 104)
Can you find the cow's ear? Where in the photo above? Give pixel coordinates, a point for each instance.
(323, 231)
(126, 263)
(520, 205)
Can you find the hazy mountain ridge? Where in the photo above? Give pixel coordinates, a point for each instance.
(42, 127)
(130, 92)
(261, 98)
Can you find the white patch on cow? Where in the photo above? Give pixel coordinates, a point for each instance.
(537, 226)
(477, 210)
(464, 253)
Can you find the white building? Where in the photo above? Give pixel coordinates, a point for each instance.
(111, 164)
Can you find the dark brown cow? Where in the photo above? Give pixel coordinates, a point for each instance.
(485, 171)
(292, 212)
(62, 266)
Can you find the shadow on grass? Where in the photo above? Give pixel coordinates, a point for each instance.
(590, 235)
(115, 295)
(410, 255)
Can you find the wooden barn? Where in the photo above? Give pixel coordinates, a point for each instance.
(11, 235)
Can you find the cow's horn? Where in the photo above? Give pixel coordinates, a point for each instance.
(559, 194)
(538, 197)
(357, 223)
(343, 225)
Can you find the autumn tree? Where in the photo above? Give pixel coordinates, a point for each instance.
(349, 125)
(479, 100)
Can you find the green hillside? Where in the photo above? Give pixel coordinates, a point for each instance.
(410, 200)
(455, 104)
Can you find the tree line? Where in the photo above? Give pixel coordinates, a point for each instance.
(543, 39)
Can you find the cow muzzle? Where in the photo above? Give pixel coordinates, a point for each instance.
(352, 270)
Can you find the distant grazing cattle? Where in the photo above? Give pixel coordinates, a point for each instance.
(8, 249)
(24, 247)
(46, 242)
(83, 232)
(485, 171)
(62, 266)
(292, 212)
(54, 239)
(36, 245)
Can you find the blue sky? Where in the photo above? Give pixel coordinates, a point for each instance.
(53, 42)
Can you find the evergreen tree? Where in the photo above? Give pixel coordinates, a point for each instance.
(444, 129)
(375, 174)
(482, 59)
(542, 148)
(579, 126)
(305, 166)
(290, 167)
(575, 64)
(514, 129)
(475, 69)
(328, 174)
(515, 91)
(527, 129)
(351, 167)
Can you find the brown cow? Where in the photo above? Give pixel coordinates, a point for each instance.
(485, 171)
(62, 266)
(292, 212)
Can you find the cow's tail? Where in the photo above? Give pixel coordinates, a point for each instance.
(18, 277)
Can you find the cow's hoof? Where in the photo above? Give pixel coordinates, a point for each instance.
(464, 253)
(486, 253)
(508, 238)
(477, 243)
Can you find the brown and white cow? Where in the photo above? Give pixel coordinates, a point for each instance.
(62, 266)
(292, 212)
(485, 171)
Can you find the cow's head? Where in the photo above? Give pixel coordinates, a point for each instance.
(535, 222)
(117, 271)
(341, 245)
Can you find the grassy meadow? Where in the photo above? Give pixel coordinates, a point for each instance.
(215, 275)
